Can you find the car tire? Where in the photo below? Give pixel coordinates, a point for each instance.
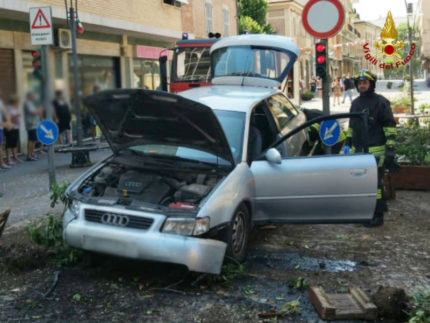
(238, 234)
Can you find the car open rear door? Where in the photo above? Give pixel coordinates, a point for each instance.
(329, 188)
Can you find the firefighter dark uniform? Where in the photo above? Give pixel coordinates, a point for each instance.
(381, 134)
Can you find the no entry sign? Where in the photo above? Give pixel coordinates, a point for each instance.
(323, 18)
(41, 26)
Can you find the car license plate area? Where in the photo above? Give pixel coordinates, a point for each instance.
(110, 246)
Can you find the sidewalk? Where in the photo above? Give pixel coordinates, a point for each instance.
(421, 95)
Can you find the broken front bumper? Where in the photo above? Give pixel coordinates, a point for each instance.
(201, 255)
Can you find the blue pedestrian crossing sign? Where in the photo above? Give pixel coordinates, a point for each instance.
(329, 132)
(47, 132)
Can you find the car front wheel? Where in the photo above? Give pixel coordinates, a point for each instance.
(238, 234)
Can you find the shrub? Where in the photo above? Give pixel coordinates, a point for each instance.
(406, 77)
(401, 101)
(389, 85)
(421, 307)
(413, 144)
(306, 96)
(423, 107)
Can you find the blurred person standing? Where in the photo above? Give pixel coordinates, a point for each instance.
(4, 124)
(12, 135)
(32, 119)
(335, 85)
(96, 88)
(64, 117)
(348, 86)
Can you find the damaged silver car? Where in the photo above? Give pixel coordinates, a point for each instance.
(190, 174)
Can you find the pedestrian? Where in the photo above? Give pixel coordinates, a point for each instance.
(348, 85)
(96, 88)
(313, 84)
(4, 124)
(381, 133)
(63, 116)
(32, 119)
(336, 91)
(319, 86)
(12, 135)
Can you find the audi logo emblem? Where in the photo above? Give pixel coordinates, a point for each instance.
(115, 219)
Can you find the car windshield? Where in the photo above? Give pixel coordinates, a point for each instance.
(249, 61)
(191, 64)
(233, 125)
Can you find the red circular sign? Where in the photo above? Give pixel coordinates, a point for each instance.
(323, 18)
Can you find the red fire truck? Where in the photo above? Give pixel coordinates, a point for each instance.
(190, 65)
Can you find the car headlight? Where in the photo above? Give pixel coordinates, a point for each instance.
(202, 225)
(75, 207)
(186, 227)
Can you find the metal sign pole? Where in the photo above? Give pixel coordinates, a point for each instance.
(326, 82)
(47, 103)
(76, 77)
(326, 89)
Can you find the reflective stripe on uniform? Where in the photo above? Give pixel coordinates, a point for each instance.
(390, 131)
(349, 133)
(390, 143)
(379, 194)
(377, 150)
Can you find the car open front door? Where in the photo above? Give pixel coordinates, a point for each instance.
(318, 189)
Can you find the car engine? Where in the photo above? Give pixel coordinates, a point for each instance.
(176, 190)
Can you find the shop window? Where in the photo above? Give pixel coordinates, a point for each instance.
(92, 70)
(31, 83)
(146, 74)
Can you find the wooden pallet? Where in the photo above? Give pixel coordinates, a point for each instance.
(354, 305)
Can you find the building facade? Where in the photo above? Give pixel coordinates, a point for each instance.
(370, 33)
(285, 16)
(120, 46)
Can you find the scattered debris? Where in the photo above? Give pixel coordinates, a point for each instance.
(391, 302)
(54, 283)
(3, 219)
(352, 305)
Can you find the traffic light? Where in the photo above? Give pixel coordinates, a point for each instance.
(321, 59)
(37, 64)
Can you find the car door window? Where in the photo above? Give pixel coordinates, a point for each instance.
(282, 109)
(262, 131)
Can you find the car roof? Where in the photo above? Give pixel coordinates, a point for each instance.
(231, 98)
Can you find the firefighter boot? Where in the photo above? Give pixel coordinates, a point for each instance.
(377, 220)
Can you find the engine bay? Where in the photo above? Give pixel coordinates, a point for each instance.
(127, 184)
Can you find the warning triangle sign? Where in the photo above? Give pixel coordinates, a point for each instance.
(40, 21)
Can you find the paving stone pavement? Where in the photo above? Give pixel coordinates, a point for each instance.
(25, 186)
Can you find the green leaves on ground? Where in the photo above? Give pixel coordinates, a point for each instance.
(292, 307)
(421, 306)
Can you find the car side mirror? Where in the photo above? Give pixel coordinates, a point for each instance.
(273, 156)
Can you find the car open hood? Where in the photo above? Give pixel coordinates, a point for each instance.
(252, 60)
(135, 117)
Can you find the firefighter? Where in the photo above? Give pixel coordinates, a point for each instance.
(381, 133)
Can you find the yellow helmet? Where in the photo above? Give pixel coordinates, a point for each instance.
(365, 75)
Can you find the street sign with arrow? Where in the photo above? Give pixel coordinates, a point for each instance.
(47, 132)
(329, 132)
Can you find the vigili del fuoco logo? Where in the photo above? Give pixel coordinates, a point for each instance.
(388, 47)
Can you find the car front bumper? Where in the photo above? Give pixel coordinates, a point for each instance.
(201, 255)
